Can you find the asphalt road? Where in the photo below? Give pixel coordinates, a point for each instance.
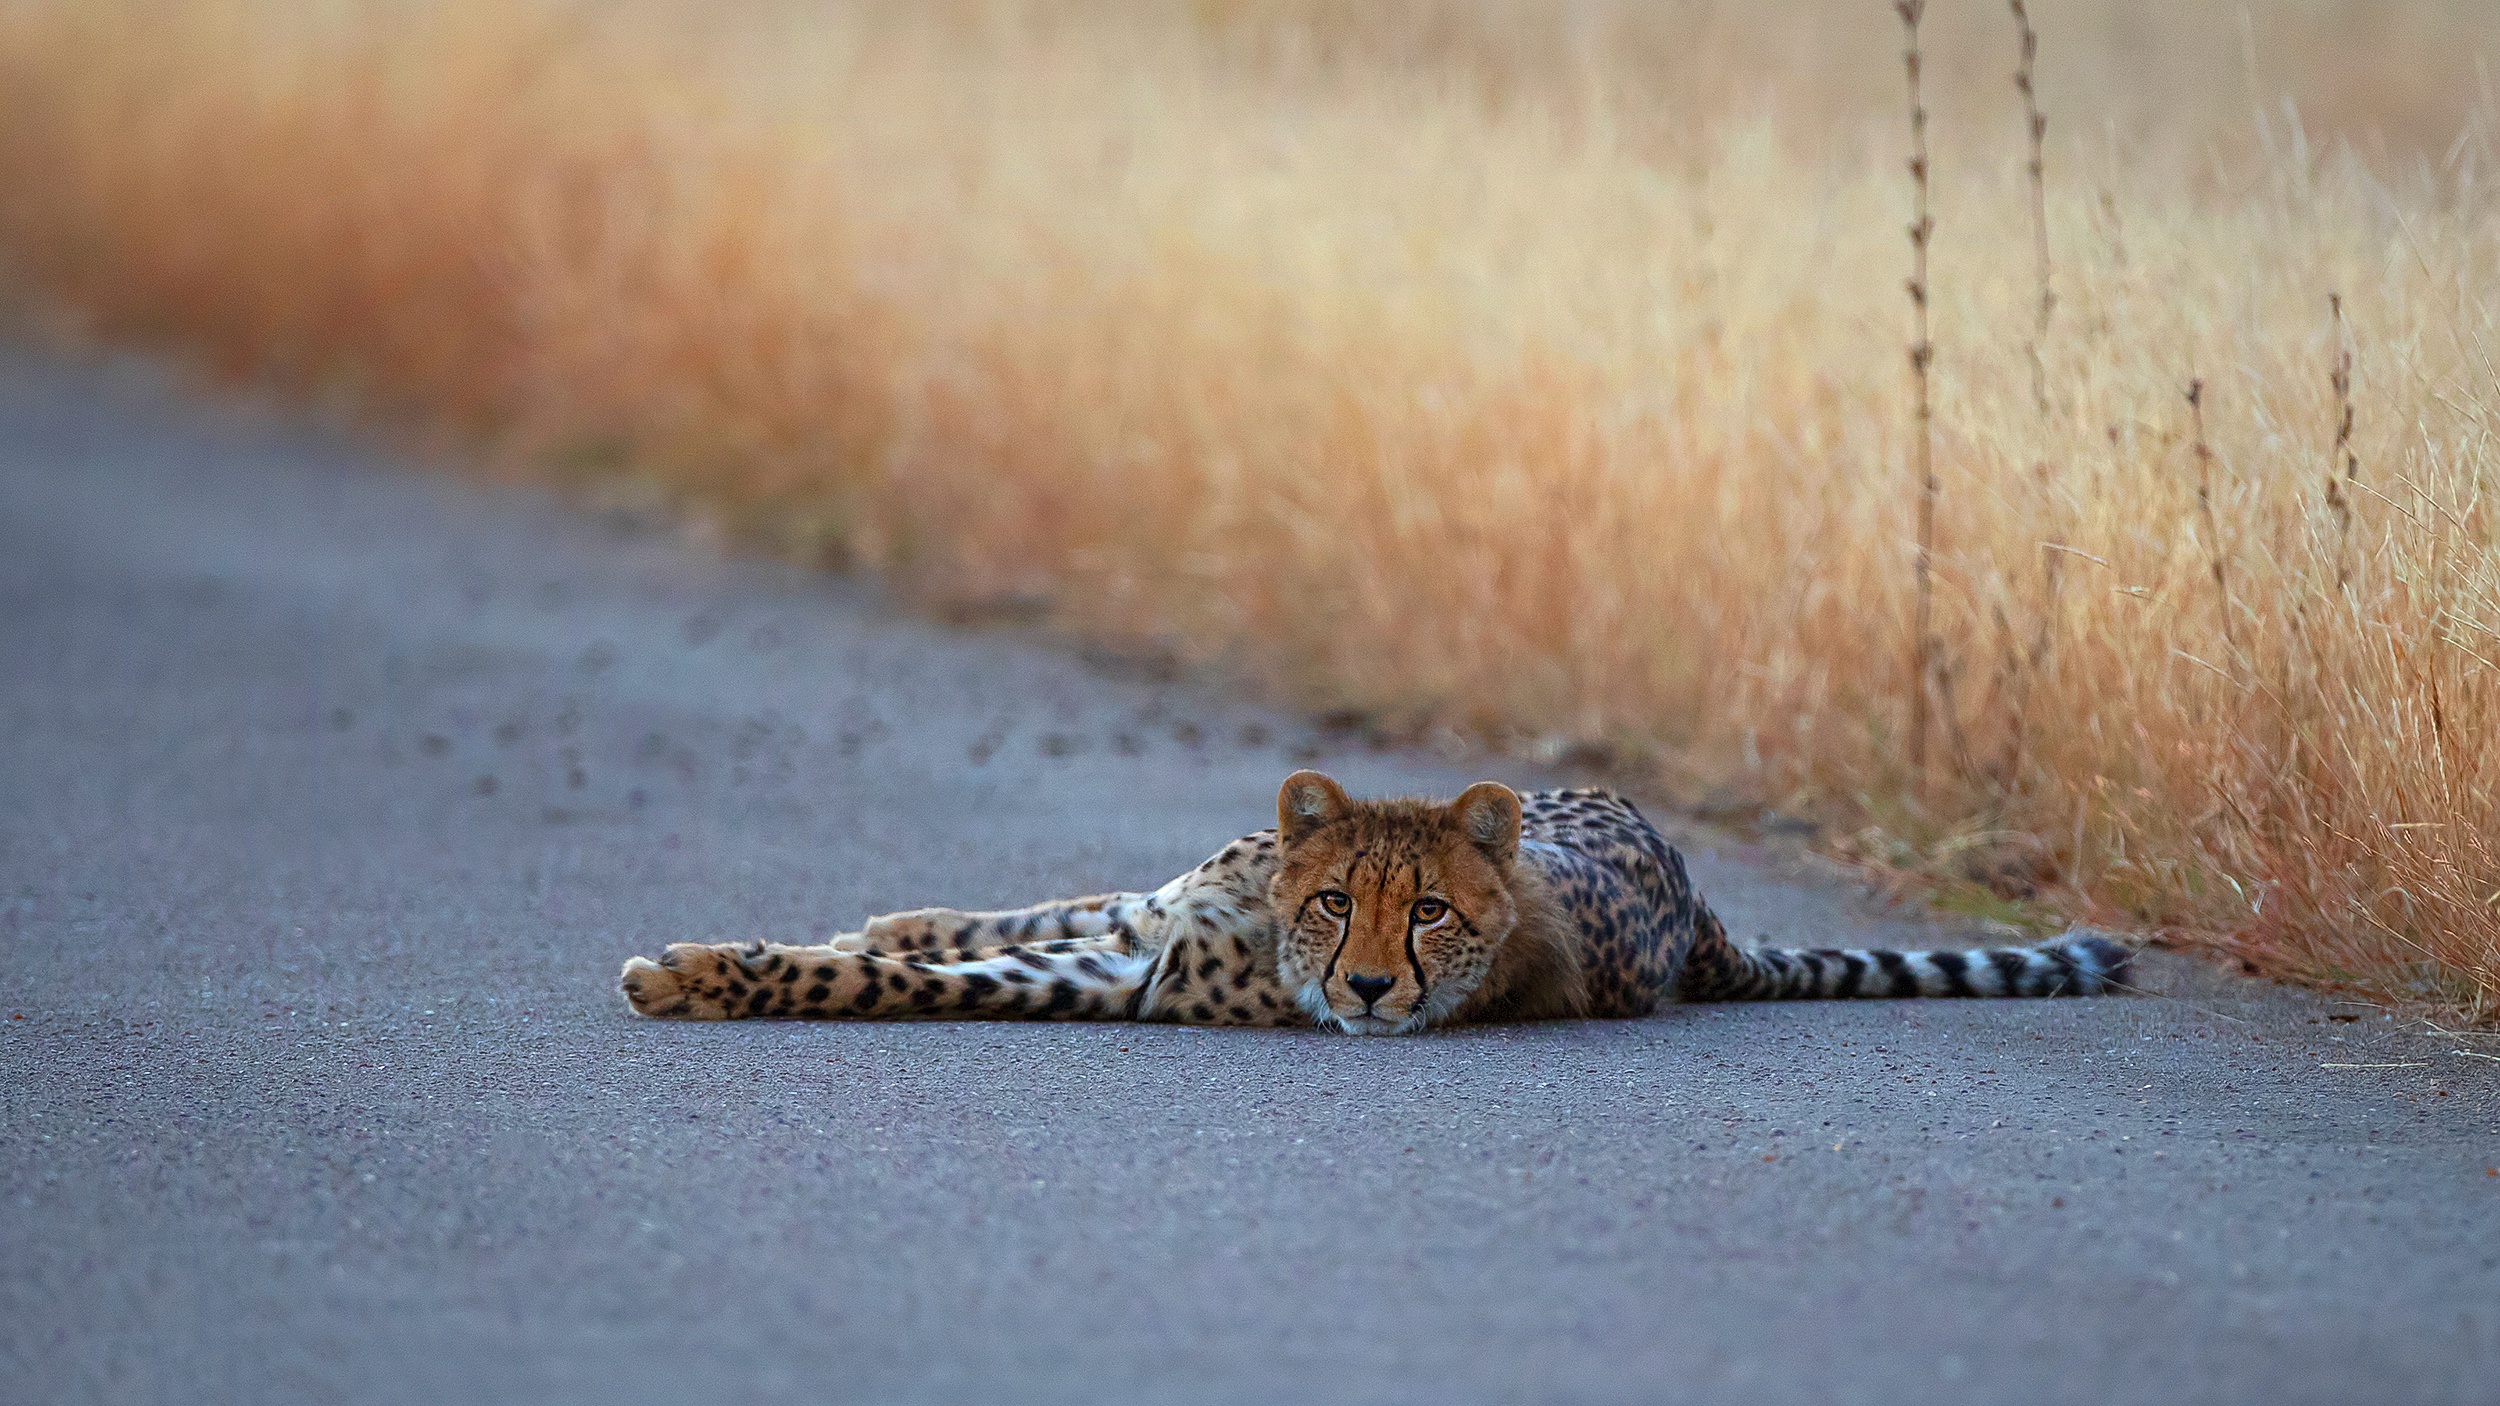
(332, 794)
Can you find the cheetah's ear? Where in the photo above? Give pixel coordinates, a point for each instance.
(1489, 814)
(1308, 801)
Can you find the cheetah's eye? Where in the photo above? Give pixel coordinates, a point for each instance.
(1429, 911)
(1335, 904)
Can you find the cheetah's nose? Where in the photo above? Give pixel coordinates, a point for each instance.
(1370, 988)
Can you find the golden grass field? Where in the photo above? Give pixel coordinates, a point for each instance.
(1536, 370)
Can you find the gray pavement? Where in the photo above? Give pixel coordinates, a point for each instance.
(332, 793)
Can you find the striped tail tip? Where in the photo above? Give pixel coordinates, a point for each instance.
(2110, 965)
(2074, 965)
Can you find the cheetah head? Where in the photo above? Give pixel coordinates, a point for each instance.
(1390, 911)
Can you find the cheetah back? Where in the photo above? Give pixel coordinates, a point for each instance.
(1623, 892)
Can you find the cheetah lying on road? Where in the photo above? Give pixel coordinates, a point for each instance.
(1373, 917)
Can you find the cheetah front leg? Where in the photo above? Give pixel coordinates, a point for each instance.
(731, 981)
(1200, 950)
(1232, 881)
(1103, 915)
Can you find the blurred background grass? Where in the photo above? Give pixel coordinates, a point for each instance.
(1532, 369)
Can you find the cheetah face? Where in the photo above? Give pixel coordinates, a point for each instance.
(1390, 912)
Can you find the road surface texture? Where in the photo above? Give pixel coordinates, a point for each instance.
(332, 794)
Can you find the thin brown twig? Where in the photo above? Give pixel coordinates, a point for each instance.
(1951, 713)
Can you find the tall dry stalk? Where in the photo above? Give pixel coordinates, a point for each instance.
(2339, 495)
(1923, 427)
(2205, 507)
(2044, 310)
(2035, 134)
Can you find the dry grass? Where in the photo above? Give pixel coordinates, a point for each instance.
(1533, 369)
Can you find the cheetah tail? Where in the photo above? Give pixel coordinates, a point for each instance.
(2074, 965)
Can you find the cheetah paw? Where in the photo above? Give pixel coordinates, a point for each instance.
(690, 981)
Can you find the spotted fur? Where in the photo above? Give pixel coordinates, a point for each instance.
(1378, 917)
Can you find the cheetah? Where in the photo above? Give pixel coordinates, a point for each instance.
(1371, 917)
